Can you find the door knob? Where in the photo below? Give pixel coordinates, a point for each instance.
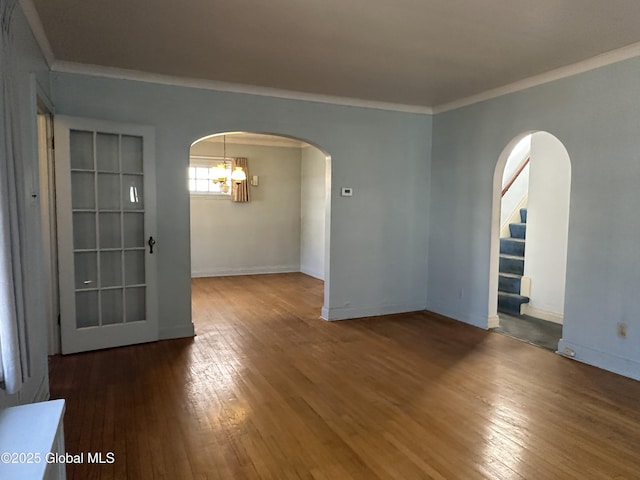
(151, 243)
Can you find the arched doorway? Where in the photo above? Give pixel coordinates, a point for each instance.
(282, 228)
(532, 182)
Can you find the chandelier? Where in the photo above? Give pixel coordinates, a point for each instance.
(220, 174)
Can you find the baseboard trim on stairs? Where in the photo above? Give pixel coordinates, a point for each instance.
(533, 311)
(514, 216)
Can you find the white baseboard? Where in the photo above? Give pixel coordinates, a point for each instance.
(228, 272)
(312, 272)
(445, 309)
(179, 331)
(347, 313)
(532, 311)
(493, 321)
(606, 361)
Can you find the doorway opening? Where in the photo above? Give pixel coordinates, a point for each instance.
(48, 219)
(532, 183)
(280, 228)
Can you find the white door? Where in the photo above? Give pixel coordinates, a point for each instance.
(106, 234)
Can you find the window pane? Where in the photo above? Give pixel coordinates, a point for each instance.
(108, 191)
(131, 154)
(87, 309)
(81, 146)
(109, 224)
(107, 152)
(112, 304)
(82, 190)
(135, 304)
(133, 230)
(110, 269)
(132, 192)
(201, 176)
(84, 230)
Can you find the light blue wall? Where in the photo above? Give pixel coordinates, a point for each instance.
(417, 230)
(378, 249)
(30, 69)
(597, 117)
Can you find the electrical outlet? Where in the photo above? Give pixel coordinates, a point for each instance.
(622, 329)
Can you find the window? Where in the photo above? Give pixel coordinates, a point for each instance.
(204, 173)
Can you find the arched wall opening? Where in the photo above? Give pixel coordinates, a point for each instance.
(545, 194)
(284, 227)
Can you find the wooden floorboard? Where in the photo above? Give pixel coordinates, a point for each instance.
(268, 390)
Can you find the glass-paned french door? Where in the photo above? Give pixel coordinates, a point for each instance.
(106, 223)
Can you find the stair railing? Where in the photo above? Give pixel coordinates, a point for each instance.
(515, 176)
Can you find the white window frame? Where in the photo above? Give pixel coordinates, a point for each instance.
(210, 163)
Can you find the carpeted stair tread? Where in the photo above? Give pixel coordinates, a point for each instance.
(518, 230)
(511, 302)
(514, 239)
(510, 275)
(511, 264)
(515, 257)
(509, 282)
(511, 267)
(512, 246)
(514, 296)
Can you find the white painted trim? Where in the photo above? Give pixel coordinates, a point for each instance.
(532, 311)
(311, 272)
(446, 310)
(33, 19)
(250, 138)
(602, 60)
(332, 314)
(134, 75)
(514, 217)
(180, 331)
(606, 361)
(493, 321)
(227, 272)
(494, 246)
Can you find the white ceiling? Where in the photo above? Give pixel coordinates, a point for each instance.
(411, 52)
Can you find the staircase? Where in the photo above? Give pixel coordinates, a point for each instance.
(512, 267)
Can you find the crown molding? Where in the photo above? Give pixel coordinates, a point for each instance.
(33, 19)
(602, 60)
(125, 74)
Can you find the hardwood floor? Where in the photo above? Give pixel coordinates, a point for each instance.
(268, 390)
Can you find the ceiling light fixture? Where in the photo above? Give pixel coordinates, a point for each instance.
(221, 173)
